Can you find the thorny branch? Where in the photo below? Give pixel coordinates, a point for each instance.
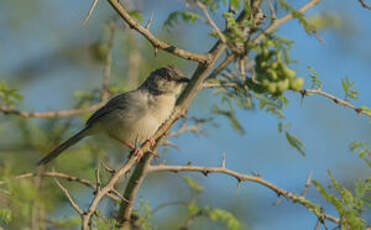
(364, 4)
(156, 43)
(69, 197)
(211, 22)
(358, 110)
(243, 177)
(114, 194)
(304, 93)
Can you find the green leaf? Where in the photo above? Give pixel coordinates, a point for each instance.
(137, 15)
(193, 185)
(5, 215)
(224, 216)
(230, 114)
(295, 142)
(9, 95)
(348, 89)
(326, 20)
(316, 82)
(176, 16)
(308, 27)
(349, 206)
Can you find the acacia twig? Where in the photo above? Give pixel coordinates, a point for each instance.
(156, 43)
(60, 113)
(358, 110)
(115, 195)
(69, 197)
(283, 19)
(364, 4)
(86, 19)
(307, 184)
(86, 217)
(242, 177)
(211, 22)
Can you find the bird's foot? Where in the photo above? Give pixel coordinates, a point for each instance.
(138, 152)
(151, 141)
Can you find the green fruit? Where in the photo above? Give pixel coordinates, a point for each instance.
(265, 52)
(265, 83)
(272, 88)
(297, 83)
(273, 75)
(275, 64)
(263, 64)
(283, 85)
(287, 72)
(270, 43)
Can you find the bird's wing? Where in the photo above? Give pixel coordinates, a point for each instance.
(129, 105)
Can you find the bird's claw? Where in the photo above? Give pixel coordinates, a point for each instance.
(151, 141)
(138, 152)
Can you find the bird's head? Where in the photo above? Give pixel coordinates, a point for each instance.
(165, 80)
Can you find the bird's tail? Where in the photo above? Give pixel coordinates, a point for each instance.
(60, 148)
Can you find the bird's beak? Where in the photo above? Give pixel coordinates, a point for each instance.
(183, 80)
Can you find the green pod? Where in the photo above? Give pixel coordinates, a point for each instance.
(273, 74)
(287, 72)
(272, 88)
(283, 85)
(297, 83)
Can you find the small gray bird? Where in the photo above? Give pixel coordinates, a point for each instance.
(134, 116)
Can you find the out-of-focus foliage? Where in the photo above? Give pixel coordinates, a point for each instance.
(350, 206)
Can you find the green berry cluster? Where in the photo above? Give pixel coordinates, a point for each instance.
(273, 75)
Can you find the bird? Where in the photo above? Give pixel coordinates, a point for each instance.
(133, 116)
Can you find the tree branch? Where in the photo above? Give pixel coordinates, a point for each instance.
(59, 113)
(211, 22)
(364, 4)
(69, 197)
(358, 110)
(86, 218)
(283, 19)
(115, 195)
(122, 11)
(243, 177)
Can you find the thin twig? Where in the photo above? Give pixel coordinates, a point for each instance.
(283, 19)
(364, 4)
(242, 177)
(164, 205)
(115, 195)
(105, 190)
(223, 161)
(59, 113)
(86, 19)
(303, 92)
(149, 22)
(358, 110)
(69, 197)
(271, 9)
(211, 22)
(307, 184)
(122, 11)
